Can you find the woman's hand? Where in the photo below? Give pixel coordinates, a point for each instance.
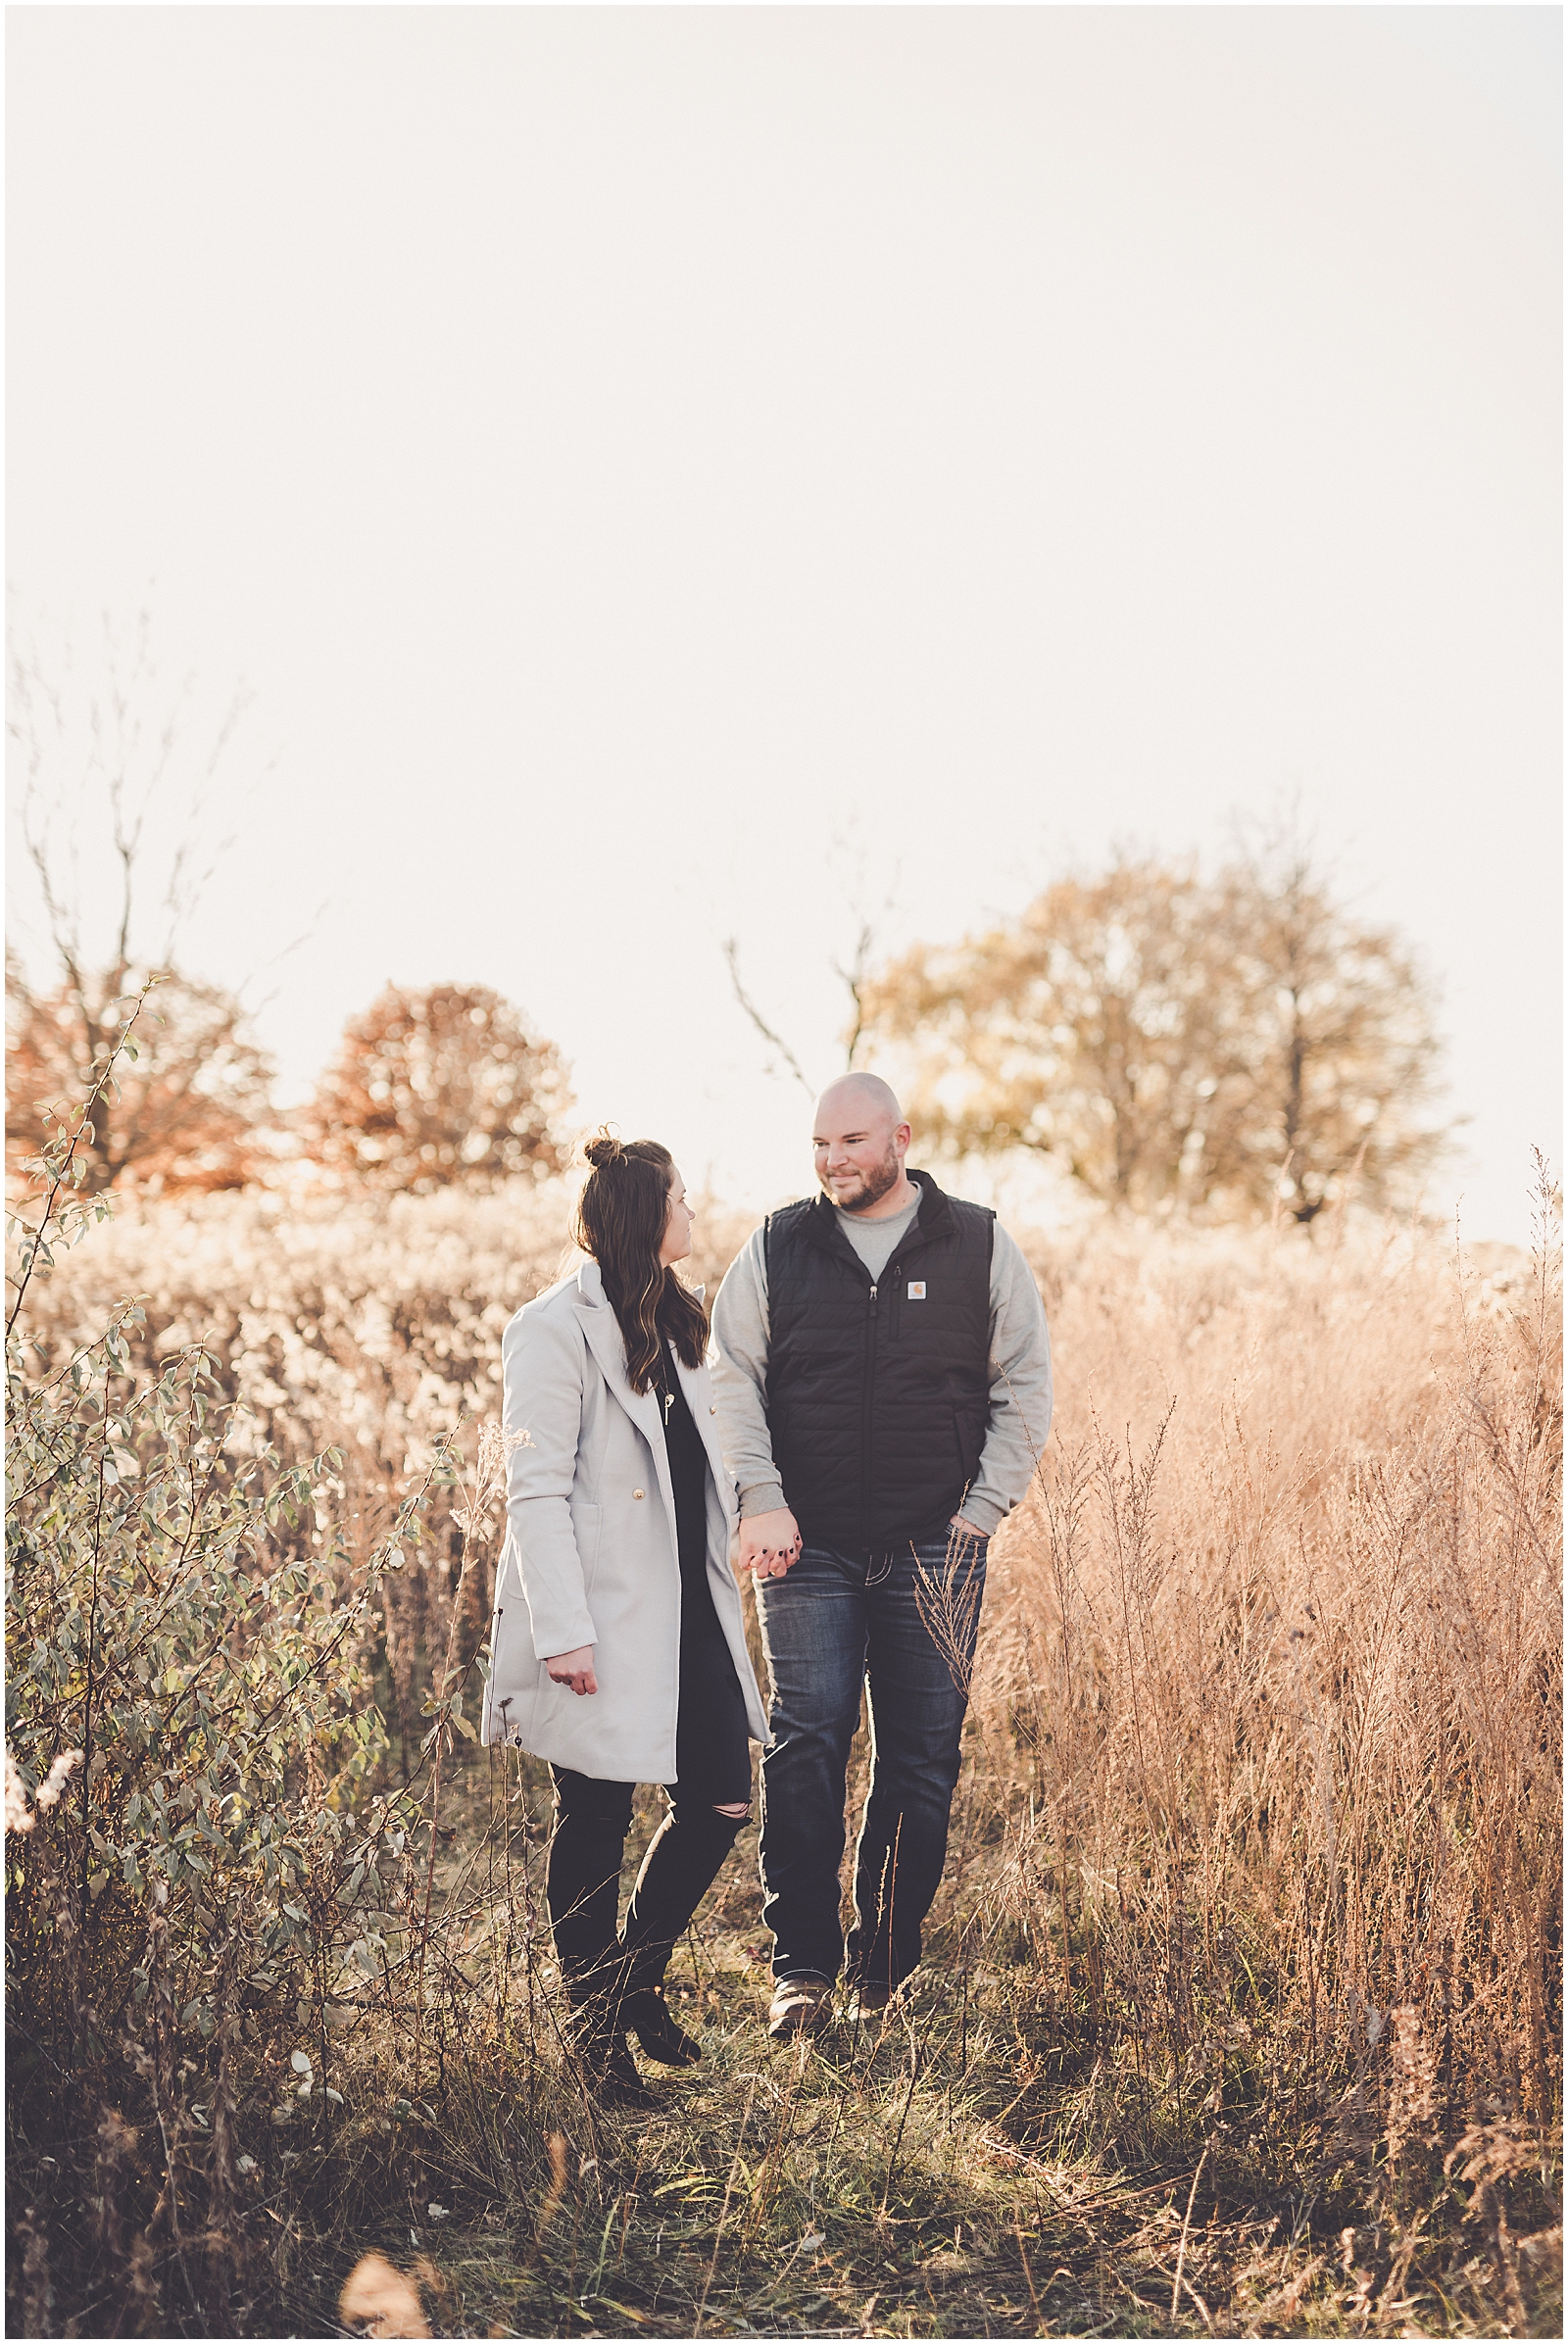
(770, 1543)
(575, 1669)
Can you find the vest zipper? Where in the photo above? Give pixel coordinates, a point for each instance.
(867, 1482)
(894, 1269)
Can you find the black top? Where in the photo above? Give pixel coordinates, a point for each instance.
(713, 1754)
(688, 1473)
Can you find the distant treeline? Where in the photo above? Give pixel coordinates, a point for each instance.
(1234, 1046)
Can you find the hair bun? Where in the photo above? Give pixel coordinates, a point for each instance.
(603, 1149)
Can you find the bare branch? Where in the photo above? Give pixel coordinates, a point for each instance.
(731, 952)
(854, 977)
(63, 929)
(177, 897)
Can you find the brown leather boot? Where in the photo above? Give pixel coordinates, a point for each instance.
(800, 2006)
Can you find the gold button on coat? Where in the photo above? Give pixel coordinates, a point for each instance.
(636, 1494)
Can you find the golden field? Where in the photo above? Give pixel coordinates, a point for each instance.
(1242, 2009)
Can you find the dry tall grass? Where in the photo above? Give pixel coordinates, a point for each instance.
(1242, 2003)
(1272, 1692)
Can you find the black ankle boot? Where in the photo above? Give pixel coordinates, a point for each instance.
(609, 2065)
(645, 2011)
(598, 2038)
(647, 2014)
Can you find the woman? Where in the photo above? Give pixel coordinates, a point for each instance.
(618, 1647)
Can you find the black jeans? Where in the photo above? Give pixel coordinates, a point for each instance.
(904, 1626)
(713, 1759)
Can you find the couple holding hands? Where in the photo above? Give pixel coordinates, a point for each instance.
(870, 1403)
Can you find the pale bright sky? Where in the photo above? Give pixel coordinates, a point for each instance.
(671, 474)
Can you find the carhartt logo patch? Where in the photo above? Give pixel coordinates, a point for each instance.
(917, 1289)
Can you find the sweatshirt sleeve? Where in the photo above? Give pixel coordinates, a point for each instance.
(739, 1367)
(1021, 1388)
(542, 1387)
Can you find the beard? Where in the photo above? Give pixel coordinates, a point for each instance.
(874, 1185)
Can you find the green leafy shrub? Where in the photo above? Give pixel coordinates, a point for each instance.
(221, 1874)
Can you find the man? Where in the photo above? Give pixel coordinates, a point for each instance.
(882, 1382)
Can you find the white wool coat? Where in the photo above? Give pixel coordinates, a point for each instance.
(590, 1554)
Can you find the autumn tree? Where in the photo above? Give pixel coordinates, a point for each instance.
(439, 1086)
(1223, 1045)
(1341, 1040)
(185, 1102)
(183, 1108)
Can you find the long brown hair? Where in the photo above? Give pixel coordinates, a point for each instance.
(621, 1215)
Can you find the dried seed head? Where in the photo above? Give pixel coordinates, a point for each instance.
(115, 2138)
(380, 2301)
(19, 1815)
(1412, 2098)
(52, 1788)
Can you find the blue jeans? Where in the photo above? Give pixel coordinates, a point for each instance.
(904, 1625)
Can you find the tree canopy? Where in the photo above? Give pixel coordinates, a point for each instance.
(1229, 1045)
(439, 1086)
(183, 1110)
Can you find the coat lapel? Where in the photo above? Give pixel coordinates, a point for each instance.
(603, 1331)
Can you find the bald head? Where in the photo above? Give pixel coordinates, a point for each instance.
(860, 1095)
(858, 1141)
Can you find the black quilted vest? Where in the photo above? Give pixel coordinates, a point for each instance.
(879, 1396)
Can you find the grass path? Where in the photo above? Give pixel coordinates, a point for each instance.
(940, 2173)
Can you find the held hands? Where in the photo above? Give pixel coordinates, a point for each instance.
(574, 1668)
(770, 1543)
